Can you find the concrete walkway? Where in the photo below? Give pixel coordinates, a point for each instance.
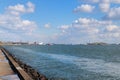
(6, 73)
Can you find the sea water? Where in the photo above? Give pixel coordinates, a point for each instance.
(71, 62)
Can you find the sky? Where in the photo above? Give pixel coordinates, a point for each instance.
(60, 21)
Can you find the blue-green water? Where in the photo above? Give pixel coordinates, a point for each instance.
(72, 62)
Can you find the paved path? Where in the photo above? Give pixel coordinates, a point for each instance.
(6, 73)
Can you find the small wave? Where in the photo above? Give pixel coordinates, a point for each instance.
(93, 65)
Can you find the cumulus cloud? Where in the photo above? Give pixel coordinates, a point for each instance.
(12, 23)
(91, 22)
(84, 8)
(89, 26)
(20, 8)
(30, 7)
(112, 28)
(104, 7)
(16, 23)
(110, 8)
(113, 14)
(89, 29)
(105, 29)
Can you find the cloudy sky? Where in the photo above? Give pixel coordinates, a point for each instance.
(60, 21)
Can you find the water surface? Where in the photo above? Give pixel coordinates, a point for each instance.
(72, 62)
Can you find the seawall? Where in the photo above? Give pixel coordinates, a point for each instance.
(17, 65)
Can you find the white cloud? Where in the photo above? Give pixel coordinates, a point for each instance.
(83, 21)
(89, 26)
(20, 8)
(110, 8)
(113, 14)
(31, 7)
(84, 8)
(91, 22)
(110, 36)
(112, 28)
(16, 23)
(12, 24)
(89, 29)
(104, 7)
(64, 27)
(48, 25)
(105, 29)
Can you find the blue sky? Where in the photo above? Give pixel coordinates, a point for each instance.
(60, 21)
